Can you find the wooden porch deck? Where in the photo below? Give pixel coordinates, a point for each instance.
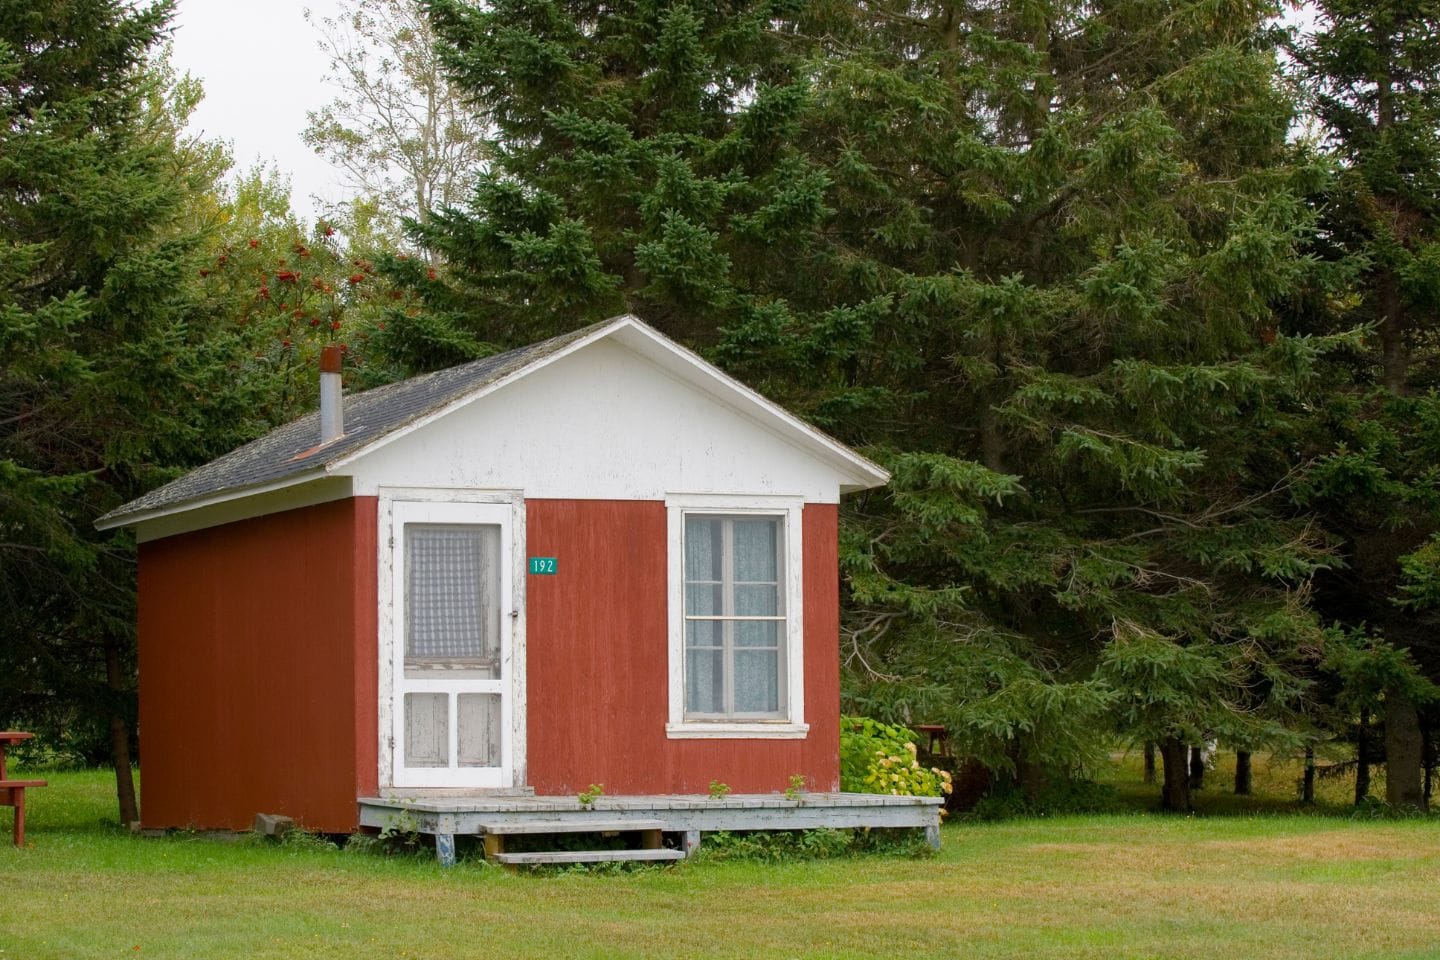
(686, 816)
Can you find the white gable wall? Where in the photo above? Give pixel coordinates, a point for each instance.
(602, 424)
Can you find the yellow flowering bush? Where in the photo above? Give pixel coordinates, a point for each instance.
(879, 757)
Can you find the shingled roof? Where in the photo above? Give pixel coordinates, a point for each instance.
(369, 416)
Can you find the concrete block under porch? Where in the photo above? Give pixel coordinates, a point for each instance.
(494, 817)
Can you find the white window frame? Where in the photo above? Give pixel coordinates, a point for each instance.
(792, 725)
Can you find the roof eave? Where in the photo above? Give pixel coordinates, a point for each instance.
(112, 520)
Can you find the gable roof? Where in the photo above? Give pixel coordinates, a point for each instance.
(291, 454)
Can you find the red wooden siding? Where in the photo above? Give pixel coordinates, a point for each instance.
(597, 667)
(258, 669)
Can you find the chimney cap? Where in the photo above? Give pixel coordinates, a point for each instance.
(330, 358)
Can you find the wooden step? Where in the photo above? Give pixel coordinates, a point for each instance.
(584, 856)
(575, 825)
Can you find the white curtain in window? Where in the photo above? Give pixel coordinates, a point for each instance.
(452, 585)
(734, 665)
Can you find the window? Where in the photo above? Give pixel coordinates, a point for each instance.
(734, 617)
(735, 644)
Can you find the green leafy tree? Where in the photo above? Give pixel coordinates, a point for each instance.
(398, 130)
(278, 290)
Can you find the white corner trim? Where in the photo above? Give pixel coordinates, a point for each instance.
(737, 731)
(677, 505)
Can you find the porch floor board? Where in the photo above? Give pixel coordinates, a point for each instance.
(688, 814)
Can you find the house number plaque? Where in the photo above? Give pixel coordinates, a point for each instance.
(543, 566)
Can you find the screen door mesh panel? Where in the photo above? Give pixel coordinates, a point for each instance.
(452, 591)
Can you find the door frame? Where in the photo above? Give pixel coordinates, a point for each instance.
(388, 631)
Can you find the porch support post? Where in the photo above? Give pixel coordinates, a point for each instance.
(445, 849)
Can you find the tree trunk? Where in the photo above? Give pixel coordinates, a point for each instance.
(992, 444)
(1197, 768)
(1149, 761)
(1032, 779)
(1175, 794)
(1403, 750)
(120, 736)
(1394, 357)
(1427, 759)
(1362, 758)
(1242, 773)
(1307, 784)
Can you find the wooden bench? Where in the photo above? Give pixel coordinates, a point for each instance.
(12, 792)
(651, 842)
(937, 734)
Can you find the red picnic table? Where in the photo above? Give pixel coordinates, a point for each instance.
(12, 792)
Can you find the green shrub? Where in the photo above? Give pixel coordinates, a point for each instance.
(775, 846)
(879, 757)
(788, 846)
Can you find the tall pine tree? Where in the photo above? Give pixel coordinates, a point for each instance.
(99, 380)
(1025, 254)
(1374, 69)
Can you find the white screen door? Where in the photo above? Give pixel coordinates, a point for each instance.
(453, 627)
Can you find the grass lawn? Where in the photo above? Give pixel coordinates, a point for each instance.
(1240, 887)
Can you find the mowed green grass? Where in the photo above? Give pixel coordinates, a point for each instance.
(1121, 886)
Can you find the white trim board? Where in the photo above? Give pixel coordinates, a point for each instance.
(227, 506)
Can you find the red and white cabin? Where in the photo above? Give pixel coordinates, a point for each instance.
(597, 559)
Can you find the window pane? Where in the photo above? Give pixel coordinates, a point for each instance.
(757, 681)
(757, 633)
(452, 593)
(757, 600)
(704, 633)
(704, 680)
(756, 548)
(478, 733)
(704, 599)
(427, 730)
(703, 541)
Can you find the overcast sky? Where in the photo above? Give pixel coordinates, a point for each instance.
(262, 70)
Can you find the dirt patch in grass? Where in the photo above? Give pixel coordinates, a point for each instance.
(1344, 844)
